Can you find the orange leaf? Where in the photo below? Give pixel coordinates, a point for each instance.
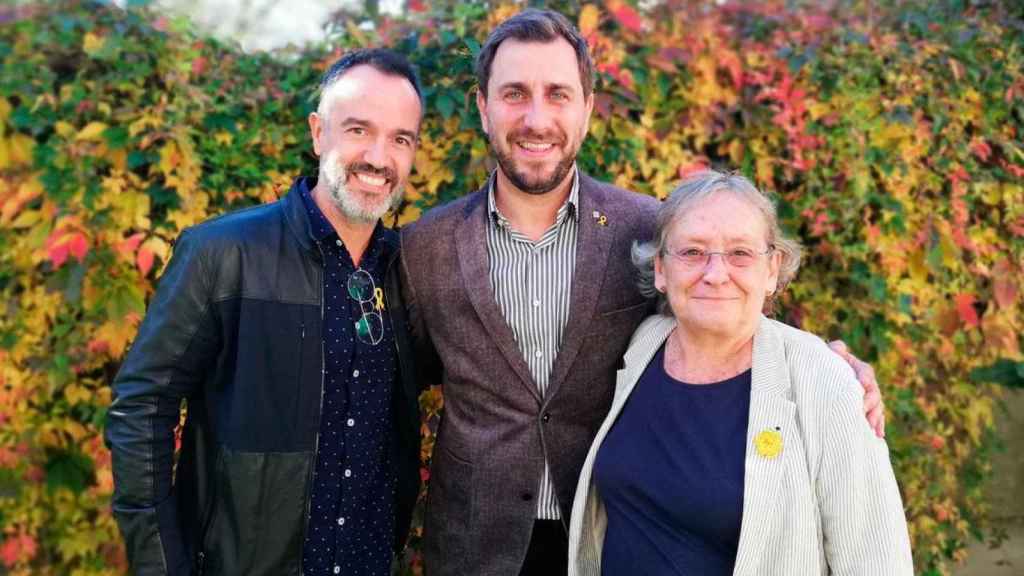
(1003, 286)
(965, 308)
(144, 260)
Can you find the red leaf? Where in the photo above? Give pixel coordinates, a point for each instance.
(144, 260)
(78, 245)
(416, 6)
(627, 16)
(58, 253)
(198, 66)
(17, 549)
(981, 149)
(129, 245)
(965, 308)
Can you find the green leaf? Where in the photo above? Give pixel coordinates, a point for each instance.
(72, 470)
(1004, 372)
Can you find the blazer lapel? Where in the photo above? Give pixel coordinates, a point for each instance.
(593, 245)
(471, 243)
(770, 411)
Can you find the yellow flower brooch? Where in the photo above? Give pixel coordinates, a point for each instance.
(768, 443)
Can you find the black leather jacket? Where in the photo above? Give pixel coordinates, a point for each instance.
(234, 330)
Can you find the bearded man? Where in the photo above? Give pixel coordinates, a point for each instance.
(522, 301)
(282, 329)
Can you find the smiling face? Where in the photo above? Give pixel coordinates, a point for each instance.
(365, 136)
(716, 298)
(535, 113)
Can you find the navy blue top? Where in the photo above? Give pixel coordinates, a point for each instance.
(351, 513)
(670, 473)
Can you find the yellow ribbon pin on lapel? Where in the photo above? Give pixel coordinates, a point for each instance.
(768, 443)
(378, 297)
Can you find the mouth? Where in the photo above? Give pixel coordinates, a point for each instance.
(371, 182)
(535, 146)
(715, 298)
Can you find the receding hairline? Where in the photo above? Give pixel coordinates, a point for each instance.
(329, 92)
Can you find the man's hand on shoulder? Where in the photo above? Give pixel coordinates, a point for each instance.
(874, 408)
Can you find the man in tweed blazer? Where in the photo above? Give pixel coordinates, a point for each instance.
(522, 301)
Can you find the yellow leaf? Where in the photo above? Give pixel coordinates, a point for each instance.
(169, 157)
(223, 137)
(158, 246)
(590, 17)
(5, 110)
(25, 219)
(21, 150)
(64, 129)
(92, 131)
(75, 393)
(92, 44)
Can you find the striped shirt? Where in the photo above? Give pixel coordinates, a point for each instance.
(532, 283)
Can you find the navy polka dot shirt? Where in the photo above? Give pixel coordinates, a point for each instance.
(351, 512)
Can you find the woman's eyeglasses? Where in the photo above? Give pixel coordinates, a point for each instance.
(693, 257)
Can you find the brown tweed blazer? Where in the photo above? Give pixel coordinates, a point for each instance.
(496, 431)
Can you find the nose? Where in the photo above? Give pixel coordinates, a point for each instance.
(716, 271)
(537, 118)
(376, 154)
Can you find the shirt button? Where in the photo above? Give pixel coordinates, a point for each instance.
(348, 473)
(341, 521)
(351, 422)
(337, 569)
(538, 353)
(338, 242)
(355, 373)
(536, 303)
(546, 417)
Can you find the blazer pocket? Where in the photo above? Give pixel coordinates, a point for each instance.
(449, 507)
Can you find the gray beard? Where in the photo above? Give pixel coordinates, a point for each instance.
(335, 175)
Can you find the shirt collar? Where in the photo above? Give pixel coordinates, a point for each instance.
(322, 230)
(570, 207)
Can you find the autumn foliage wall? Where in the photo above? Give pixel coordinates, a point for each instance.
(891, 132)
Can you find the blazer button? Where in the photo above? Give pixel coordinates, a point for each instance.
(526, 496)
(546, 416)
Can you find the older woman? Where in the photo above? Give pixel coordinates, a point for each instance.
(735, 444)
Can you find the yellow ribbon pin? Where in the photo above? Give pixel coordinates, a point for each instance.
(768, 443)
(602, 220)
(378, 296)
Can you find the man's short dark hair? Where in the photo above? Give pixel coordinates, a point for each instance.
(533, 25)
(383, 60)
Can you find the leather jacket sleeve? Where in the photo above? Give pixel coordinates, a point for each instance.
(175, 343)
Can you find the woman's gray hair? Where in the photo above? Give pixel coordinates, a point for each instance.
(694, 189)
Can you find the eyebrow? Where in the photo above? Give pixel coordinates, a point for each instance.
(353, 121)
(547, 87)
